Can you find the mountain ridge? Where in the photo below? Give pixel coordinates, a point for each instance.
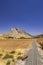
(16, 33)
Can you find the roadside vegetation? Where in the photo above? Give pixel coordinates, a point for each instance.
(41, 45)
(11, 56)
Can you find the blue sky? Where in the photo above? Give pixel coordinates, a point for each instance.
(26, 14)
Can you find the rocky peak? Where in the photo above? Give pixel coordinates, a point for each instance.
(17, 32)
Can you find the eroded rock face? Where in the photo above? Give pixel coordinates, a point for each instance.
(15, 33)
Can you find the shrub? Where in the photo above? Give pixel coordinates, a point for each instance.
(25, 58)
(22, 38)
(8, 63)
(19, 57)
(1, 55)
(10, 37)
(41, 45)
(13, 60)
(22, 58)
(19, 53)
(12, 52)
(7, 56)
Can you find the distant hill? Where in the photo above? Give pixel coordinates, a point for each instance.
(39, 36)
(16, 33)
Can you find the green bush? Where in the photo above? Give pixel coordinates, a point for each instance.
(10, 37)
(13, 60)
(19, 53)
(8, 63)
(22, 58)
(22, 38)
(12, 52)
(1, 55)
(19, 57)
(7, 56)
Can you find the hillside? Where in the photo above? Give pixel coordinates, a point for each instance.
(39, 36)
(15, 33)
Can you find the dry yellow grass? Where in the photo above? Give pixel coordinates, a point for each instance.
(17, 43)
(40, 40)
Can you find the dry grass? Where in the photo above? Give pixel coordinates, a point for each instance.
(40, 39)
(14, 44)
(17, 43)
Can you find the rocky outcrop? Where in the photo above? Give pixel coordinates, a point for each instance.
(18, 33)
(15, 33)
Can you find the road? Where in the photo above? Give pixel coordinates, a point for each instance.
(33, 56)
